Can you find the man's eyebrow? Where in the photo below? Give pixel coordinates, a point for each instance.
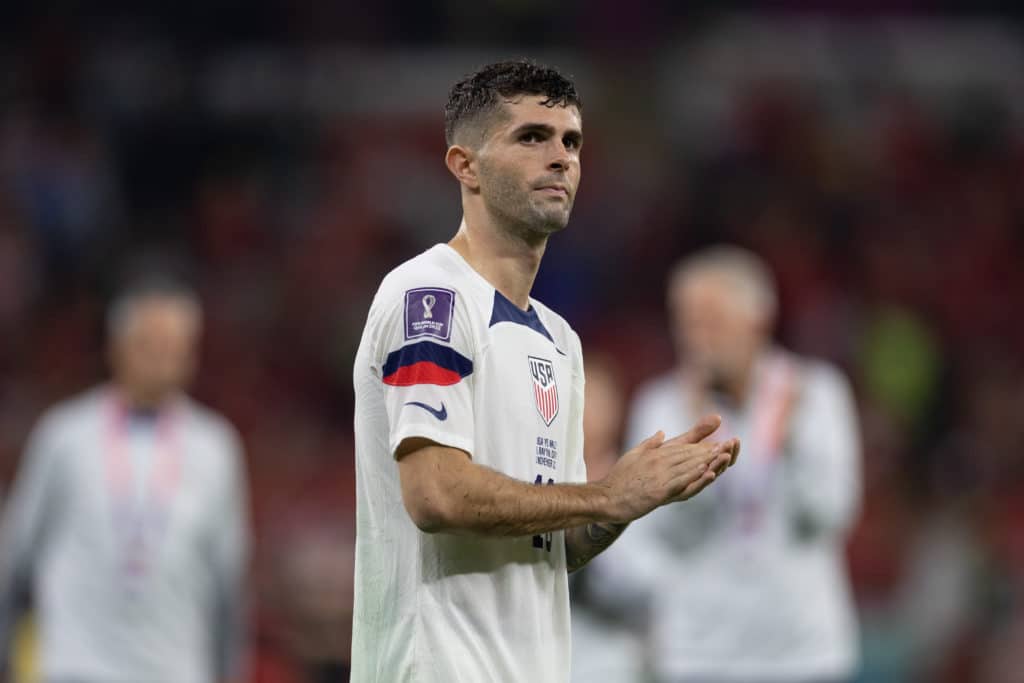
(531, 127)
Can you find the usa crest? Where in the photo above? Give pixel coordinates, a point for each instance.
(545, 391)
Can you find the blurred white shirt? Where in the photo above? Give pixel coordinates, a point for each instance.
(130, 531)
(605, 646)
(747, 581)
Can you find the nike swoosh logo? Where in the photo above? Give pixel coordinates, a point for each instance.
(441, 414)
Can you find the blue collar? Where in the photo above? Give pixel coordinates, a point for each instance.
(504, 311)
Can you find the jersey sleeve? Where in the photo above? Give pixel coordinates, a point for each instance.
(425, 359)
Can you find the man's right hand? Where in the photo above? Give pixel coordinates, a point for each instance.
(657, 472)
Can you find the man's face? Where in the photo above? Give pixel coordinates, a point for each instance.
(529, 164)
(717, 330)
(154, 352)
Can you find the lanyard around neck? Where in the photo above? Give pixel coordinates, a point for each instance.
(140, 520)
(165, 473)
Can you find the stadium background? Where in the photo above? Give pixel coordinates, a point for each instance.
(289, 154)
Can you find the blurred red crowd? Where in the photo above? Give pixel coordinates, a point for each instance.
(895, 233)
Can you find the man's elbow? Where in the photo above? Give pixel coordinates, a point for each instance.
(431, 512)
(430, 478)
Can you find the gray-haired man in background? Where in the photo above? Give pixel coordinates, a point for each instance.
(746, 582)
(127, 523)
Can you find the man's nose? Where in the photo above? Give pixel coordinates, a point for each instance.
(560, 160)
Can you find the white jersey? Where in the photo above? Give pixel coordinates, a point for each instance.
(446, 357)
(747, 581)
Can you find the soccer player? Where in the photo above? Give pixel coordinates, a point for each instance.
(748, 582)
(127, 522)
(471, 496)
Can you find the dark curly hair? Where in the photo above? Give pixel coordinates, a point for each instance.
(477, 95)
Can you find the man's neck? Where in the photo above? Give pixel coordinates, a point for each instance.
(136, 399)
(506, 261)
(736, 389)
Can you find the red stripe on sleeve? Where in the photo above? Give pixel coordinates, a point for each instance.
(423, 372)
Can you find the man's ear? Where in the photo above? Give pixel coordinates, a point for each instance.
(461, 161)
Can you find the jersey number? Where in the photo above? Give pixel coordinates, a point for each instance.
(542, 541)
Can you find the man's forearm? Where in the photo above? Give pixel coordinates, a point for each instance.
(472, 498)
(494, 504)
(584, 543)
(444, 490)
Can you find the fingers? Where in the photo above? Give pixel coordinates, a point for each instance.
(685, 473)
(693, 455)
(655, 440)
(722, 455)
(694, 474)
(678, 453)
(697, 486)
(720, 463)
(651, 443)
(691, 481)
(727, 452)
(735, 453)
(704, 428)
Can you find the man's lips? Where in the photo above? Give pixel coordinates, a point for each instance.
(555, 190)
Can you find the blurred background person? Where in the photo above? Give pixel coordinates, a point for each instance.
(751, 584)
(127, 523)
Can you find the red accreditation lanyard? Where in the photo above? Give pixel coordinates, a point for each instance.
(140, 509)
(769, 423)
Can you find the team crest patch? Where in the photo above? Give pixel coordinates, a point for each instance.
(545, 391)
(428, 313)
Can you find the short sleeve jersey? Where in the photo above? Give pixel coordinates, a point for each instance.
(446, 357)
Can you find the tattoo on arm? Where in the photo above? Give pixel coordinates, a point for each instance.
(584, 543)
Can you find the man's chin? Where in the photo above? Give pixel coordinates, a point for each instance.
(549, 223)
(552, 228)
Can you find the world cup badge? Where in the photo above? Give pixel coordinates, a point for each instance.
(428, 313)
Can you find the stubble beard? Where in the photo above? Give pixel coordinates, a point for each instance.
(520, 214)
